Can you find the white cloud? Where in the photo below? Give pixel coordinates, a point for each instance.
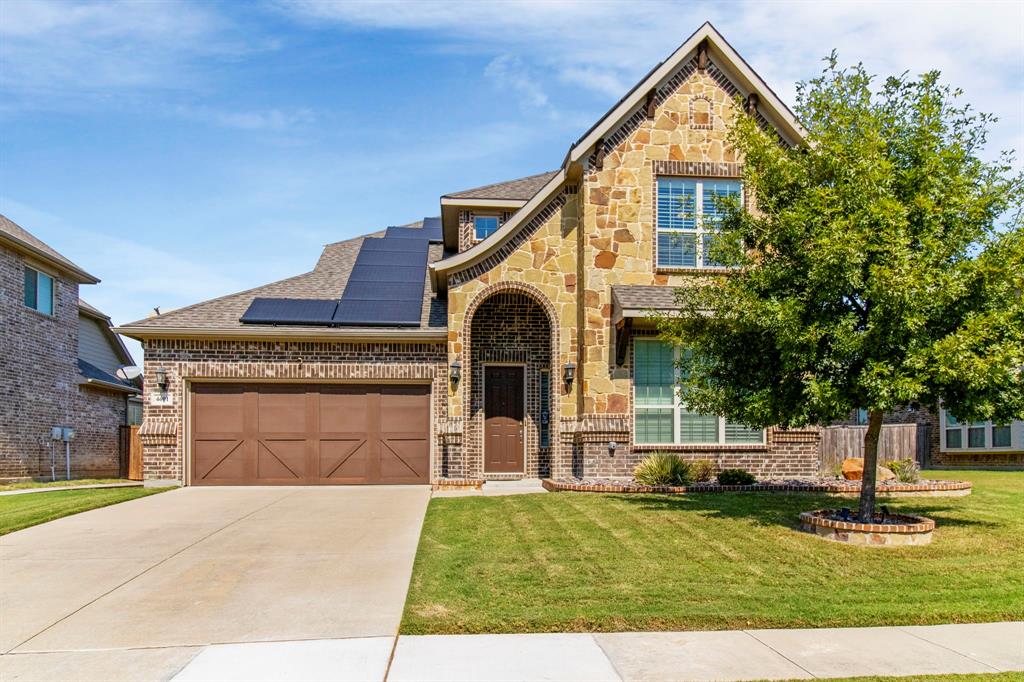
(510, 73)
(73, 54)
(606, 46)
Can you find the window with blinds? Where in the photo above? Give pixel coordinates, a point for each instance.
(689, 212)
(660, 417)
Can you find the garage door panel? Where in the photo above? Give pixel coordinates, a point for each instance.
(344, 409)
(346, 461)
(405, 408)
(281, 459)
(218, 409)
(223, 459)
(310, 434)
(403, 460)
(282, 410)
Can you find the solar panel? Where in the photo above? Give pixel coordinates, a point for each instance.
(393, 258)
(394, 273)
(397, 313)
(289, 311)
(405, 233)
(432, 226)
(384, 291)
(385, 244)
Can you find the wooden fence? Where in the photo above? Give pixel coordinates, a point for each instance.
(897, 441)
(131, 453)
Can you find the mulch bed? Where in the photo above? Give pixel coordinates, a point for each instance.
(769, 485)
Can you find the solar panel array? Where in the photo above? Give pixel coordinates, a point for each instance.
(385, 287)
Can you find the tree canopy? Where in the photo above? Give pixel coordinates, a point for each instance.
(880, 264)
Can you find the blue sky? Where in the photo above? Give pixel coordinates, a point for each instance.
(181, 151)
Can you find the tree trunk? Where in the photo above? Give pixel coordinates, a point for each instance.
(867, 487)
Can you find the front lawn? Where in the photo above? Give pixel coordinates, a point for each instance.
(22, 511)
(590, 562)
(21, 485)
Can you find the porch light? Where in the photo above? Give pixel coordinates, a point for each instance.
(570, 374)
(161, 378)
(455, 373)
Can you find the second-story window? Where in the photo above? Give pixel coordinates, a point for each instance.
(484, 226)
(689, 212)
(38, 291)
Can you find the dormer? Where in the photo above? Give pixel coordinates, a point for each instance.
(471, 216)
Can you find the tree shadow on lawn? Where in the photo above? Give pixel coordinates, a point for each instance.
(776, 509)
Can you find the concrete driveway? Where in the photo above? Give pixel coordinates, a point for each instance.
(142, 586)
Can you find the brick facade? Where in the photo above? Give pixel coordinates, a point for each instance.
(39, 384)
(163, 432)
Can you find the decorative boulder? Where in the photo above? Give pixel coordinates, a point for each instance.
(853, 470)
(885, 474)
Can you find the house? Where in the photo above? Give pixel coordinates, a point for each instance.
(58, 358)
(949, 442)
(510, 337)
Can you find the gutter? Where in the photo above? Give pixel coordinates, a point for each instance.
(110, 385)
(405, 336)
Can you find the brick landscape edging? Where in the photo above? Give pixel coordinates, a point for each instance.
(904, 529)
(937, 488)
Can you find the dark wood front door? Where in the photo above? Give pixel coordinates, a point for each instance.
(290, 434)
(503, 419)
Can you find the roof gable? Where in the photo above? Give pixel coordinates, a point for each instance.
(724, 64)
(25, 241)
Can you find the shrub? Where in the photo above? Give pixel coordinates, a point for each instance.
(702, 470)
(736, 477)
(906, 470)
(662, 469)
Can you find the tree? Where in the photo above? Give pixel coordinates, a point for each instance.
(879, 264)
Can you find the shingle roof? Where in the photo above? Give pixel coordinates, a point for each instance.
(520, 189)
(642, 297)
(93, 373)
(28, 241)
(92, 310)
(326, 280)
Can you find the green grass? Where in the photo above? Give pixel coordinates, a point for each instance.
(22, 485)
(22, 511)
(963, 677)
(587, 562)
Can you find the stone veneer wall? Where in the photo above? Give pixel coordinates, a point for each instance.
(163, 430)
(599, 234)
(509, 327)
(39, 383)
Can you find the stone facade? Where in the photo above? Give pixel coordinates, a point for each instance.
(600, 233)
(39, 384)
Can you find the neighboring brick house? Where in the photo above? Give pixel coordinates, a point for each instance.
(531, 351)
(58, 356)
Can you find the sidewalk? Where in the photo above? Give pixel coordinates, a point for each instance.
(640, 656)
(725, 655)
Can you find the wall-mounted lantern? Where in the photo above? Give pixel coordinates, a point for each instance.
(161, 378)
(455, 372)
(569, 374)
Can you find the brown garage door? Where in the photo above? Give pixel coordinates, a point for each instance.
(284, 434)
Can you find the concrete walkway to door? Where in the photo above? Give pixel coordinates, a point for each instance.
(145, 584)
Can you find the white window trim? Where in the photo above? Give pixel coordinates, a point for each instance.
(677, 407)
(53, 290)
(699, 229)
(963, 427)
(497, 218)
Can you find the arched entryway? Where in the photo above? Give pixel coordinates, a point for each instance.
(512, 389)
